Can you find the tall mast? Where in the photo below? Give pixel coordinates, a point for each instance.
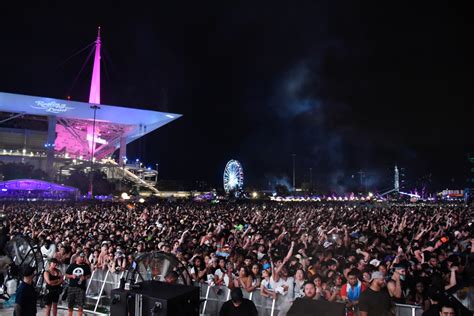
(94, 96)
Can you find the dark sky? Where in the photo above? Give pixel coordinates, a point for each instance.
(345, 85)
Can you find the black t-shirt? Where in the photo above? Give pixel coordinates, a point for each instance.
(375, 303)
(246, 308)
(26, 298)
(78, 270)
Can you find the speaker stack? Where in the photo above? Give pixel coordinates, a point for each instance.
(153, 298)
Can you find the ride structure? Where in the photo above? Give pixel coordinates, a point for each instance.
(233, 177)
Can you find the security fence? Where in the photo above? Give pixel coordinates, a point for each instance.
(102, 282)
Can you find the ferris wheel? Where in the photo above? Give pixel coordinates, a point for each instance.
(233, 176)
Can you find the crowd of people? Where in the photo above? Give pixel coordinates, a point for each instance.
(366, 256)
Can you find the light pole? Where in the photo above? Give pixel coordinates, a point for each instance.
(311, 179)
(294, 187)
(95, 107)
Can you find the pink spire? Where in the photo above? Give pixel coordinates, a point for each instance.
(94, 96)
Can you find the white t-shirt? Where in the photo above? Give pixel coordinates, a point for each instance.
(278, 286)
(267, 285)
(219, 273)
(298, 290)
(48, 253)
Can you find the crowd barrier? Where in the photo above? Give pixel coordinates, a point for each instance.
(215, 296)
(408, 310)
(101, 283)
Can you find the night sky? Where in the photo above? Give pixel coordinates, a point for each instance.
(345, 85)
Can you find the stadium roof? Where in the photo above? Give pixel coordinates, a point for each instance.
(74, 121)
(33, 105)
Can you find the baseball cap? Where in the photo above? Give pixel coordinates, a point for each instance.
(327, 244)
(376, 275)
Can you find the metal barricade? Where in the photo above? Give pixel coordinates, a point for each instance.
(102, 282)
(215, 296)
(408, 310)
(98, 291)
(266, 306)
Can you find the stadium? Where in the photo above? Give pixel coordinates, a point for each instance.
(60, 136)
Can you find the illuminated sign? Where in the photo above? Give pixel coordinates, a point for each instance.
(52, 107)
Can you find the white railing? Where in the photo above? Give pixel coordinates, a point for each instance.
(102, 282)
(215, 296)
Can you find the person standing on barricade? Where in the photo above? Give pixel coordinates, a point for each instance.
(77, 273)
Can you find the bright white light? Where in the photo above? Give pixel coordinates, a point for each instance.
(141, 200)
(254, 195)
(97, 139)
(232, 180)
(125, 196)
(169, 115)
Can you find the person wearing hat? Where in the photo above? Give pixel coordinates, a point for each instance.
(238, 305)
(53, 278)
(77, 273)
(375, 300)
(25, 300)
